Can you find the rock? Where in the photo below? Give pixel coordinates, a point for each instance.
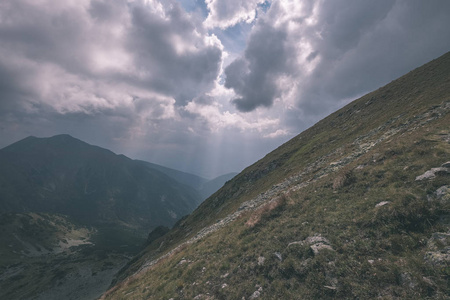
(382, 203)
(443, 194)
(278, 255)
(438, 239)
(438, 258)
(315, 239)
(316, 242)
(255, 295)
(439, 246)
(316, 248)
(261, 260)
(225, 275)
(224, 285)
(446, 165)
(430, 174)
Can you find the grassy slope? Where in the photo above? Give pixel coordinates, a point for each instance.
(368, 152)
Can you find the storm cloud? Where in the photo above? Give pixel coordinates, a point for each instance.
(201, 86)
(68, 55)
(316, 54)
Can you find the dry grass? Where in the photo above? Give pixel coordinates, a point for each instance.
(266, 209)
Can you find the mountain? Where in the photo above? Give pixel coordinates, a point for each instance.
(188, 179)
(355, 207)
(64, 175)
(72, 214)
(204, 186)
(210, 187)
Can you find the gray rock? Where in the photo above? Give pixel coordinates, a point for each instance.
(443, 194)
(446, 165)
(278, 255)
(382, 203)
(438, 238)
(261, 260)
(316, 248)
(439, 246)
(255, 295)
(430, 174)
(316, 242)
(438, 258)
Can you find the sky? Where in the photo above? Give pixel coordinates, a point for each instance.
(203, 86)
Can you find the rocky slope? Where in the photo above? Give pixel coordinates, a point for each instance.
(357, 206)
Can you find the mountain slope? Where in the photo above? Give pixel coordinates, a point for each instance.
(188, 179)
(210, 187)
(64, 175)
(204, 186)
(357, 206)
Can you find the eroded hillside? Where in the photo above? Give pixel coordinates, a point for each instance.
(357, 206)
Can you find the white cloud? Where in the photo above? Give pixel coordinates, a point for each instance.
(278, 133)
(226, 13)
(218, 119)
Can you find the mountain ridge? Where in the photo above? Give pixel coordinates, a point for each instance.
(63, 170)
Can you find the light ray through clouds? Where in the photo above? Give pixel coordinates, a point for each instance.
(204, 86)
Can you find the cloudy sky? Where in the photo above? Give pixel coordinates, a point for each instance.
(204, 86)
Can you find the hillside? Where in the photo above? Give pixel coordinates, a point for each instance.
(64, 175)
(355, 207)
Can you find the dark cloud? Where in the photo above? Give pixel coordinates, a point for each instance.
(318, 55)
(175, 61)
(254, 77)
